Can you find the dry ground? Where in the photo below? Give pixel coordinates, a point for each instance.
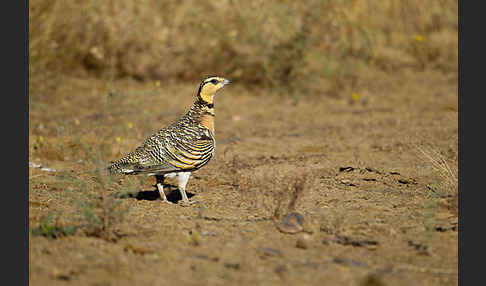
(376, 210)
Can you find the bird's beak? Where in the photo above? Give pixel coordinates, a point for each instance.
(225, 82)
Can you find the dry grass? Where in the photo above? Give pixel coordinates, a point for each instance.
(273, 193)
(87, 204)
(297, 45)
(446, 187)
(448, 183)
(448, 173)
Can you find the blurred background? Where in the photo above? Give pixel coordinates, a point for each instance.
(305, 47)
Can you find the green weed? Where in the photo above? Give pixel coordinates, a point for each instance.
(50, 229)
(98, 211)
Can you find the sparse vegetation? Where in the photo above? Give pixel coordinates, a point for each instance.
(448, 175)
(275, 193)
(98, 211)
(446, 186)
(50, 227)
(291, 190)
(336, 164)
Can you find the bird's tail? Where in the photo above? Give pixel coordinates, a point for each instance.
(113, 169)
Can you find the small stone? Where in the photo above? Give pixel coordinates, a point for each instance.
(235, 266)
(269, 252)
(303, 242)
(372, 279)
(292, 223)
(281, 269)
(371, 247)
(346, 169)
(61, 275)
(403, 181)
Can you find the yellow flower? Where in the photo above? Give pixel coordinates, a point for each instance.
(419, 38)
(41, 139)
(129, 125)
(76, 121)
(355, 97)
(118, 139)
(157, 83)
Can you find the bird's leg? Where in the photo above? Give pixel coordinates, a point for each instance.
(162, 194)
(182, 179)
(160, 187)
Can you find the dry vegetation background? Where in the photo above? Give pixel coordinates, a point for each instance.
(364, 92)
(269, 43)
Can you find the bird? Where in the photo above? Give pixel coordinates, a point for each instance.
(179, 149)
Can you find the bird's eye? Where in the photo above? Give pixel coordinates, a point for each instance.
(214, 81)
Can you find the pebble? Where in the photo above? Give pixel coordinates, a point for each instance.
(303, 242)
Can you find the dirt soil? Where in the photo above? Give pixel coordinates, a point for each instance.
(354, 167)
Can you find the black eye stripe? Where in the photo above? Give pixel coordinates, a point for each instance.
(206, 81)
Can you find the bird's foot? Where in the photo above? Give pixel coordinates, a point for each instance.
(165, 200)
(187, 203)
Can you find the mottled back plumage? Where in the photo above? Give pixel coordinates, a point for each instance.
(185, 145)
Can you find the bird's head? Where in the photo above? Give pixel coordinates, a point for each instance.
(209, 87)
